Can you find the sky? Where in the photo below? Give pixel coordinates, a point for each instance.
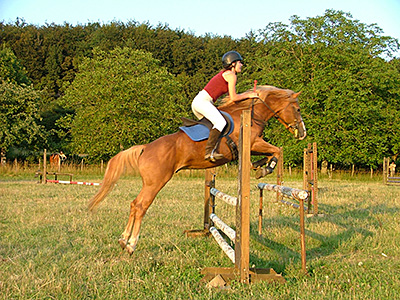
(234, 18)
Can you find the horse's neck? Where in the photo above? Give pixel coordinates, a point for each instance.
(262, 111)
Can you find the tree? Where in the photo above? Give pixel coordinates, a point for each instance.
(347, 86)
(18, 106)
(19, 116)
(121, 98)
(11, 69)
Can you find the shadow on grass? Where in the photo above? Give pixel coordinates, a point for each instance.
(351, 223)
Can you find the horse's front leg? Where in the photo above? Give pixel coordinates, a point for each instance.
(271, 152)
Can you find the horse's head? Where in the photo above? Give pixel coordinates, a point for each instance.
(284, 105)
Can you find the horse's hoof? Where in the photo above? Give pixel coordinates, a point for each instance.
(130, 249)
(122, 243)
(260, 173)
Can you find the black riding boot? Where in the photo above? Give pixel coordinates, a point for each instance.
(212, 145)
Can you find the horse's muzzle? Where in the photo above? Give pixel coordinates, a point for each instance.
(300, 131)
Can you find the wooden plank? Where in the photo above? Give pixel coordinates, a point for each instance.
(230, 274)
(268, 275)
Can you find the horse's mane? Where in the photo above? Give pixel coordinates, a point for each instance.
(263, 91)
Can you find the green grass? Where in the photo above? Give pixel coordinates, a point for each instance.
(51, 247)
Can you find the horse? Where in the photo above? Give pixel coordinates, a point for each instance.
(56, 159)
(160, 159)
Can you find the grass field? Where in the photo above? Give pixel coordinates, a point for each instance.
(51, 247)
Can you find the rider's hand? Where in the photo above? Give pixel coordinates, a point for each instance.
(252, 95)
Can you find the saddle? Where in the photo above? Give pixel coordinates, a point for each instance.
(200, 130)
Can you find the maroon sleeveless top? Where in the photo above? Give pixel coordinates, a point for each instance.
(217, 86)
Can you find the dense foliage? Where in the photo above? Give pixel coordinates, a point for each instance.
(121, 98)
(106, 87)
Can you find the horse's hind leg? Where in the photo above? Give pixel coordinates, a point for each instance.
(139, 207)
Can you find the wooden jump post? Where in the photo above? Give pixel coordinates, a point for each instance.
(240, 256)
(44, 173)
(310, 177)
(309, 193)
(387, 178)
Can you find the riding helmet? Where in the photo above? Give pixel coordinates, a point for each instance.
(229, 58)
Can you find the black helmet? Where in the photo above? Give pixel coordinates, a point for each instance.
(229, 58)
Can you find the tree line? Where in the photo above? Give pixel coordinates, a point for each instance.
(99, 88)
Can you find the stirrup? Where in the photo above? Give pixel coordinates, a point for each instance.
(213, 156)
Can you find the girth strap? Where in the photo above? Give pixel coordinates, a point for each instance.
(232, 146)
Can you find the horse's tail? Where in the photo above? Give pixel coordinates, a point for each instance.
(115, 168)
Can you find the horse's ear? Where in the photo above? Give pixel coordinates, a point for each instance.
(295, 95)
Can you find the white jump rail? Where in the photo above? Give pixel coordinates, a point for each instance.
(231, 200)
(286, 191)
(73, 182)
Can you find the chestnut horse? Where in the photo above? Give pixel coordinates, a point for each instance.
(160, 159)
(56, 159)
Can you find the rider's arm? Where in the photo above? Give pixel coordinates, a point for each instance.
(231, 78)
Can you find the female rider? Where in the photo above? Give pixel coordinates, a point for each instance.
(202, 105)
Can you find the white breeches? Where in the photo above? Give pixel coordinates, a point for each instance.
(202, 106)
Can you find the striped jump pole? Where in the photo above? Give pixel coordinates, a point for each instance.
(73, 182)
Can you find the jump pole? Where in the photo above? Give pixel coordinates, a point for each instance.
(73, 182)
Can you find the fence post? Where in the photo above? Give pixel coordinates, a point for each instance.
(385, 169)
(44, 177)
(209, 183)
(314, 175)
(279, 176)
(242, 243)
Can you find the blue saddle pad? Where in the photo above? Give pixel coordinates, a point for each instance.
(201, 132)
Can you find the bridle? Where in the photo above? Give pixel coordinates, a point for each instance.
(294, 126)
